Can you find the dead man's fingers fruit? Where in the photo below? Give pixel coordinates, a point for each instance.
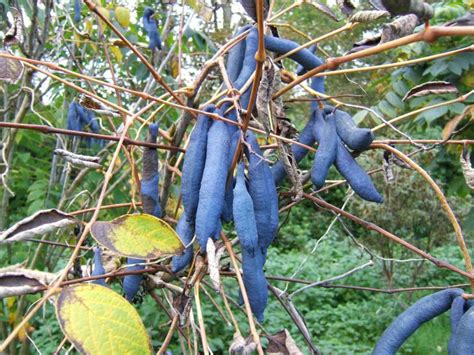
(244, 215)
(151, 28)
(325, 134)
(185, 231)
(98, 267)
(193, 164)
(356, 138)
(357, 178)
(213, 184)
(411, 319)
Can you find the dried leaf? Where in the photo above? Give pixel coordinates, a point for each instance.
(401, 27)
(40, 223)
(97, 106)
(325, 10)
(466, 20)
(282, 343)
(213, 263)
(364, 44)
(237, 345)
(16, 281)
(467, 169)
(346, 6)
(264, 97)
(368, 16)
(15, 33)
(453, 123)
(10, 69)
(432, 87)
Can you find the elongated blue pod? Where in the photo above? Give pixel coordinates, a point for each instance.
(151, 205)
(464, 339)
(263, 191)
(411, 319)
(357, 178)
(77, 11)
(151, 28)
(244, 215)
(193, 164)
(185, 231)
(457, 311)
(98, 267)
(255, 282)
(236, 56)
(356, 138)
(213, 184)
(324, 131)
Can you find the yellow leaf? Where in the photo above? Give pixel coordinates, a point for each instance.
(468, 78)
(122, 14)
(141, 236)
(104, 12)
(97, 320)
(117, 53)
(174, 66)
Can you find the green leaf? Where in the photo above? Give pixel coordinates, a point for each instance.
(97, 320)
(394, 100)
(141, 236)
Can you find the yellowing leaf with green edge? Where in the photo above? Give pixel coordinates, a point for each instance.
(140, 236)
(122, 14)
(97, 320)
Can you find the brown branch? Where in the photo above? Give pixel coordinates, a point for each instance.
(429, 34)
(67, 132)
(391, 236)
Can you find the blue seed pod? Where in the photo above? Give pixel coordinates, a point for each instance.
(248, 66)
(409, 321)
(77, 11)
(185, 231)
(194, 162)
(300, 70)
(73, 119)
(464, 338)
(244, 215)
(213, 184)
(151, 205)
(98, 267)
(306, 137)
(151, 27)
(355, 175)
(356, 138)
(255, 282)
(324, 131)
(236, 56)
(304, 57)
(262, 189)
(457, 311)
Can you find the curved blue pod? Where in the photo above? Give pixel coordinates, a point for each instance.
(300, 70)
(263, 191)
(151, 28)
(194, 162)
(185, 231)
(306, 137)
(249, 64)
(464, 338)
(244, 215)
(356, 138)
(227, 214)
(457, 311)
(357, 178)
(236, 56)
(213, 183)
(411, 319)
(98, 267)
(255, 282)
(304, 57)
(151, 205)
(324, 131)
